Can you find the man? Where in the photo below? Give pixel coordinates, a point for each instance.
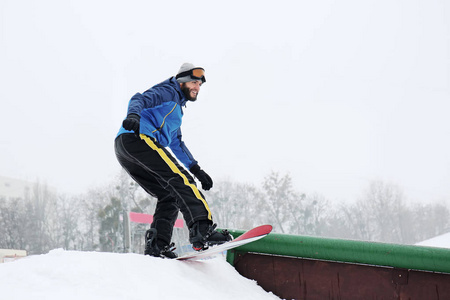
(153, 122)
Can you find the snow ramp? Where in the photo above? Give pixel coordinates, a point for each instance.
(75, 275)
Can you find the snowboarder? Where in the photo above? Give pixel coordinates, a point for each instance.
(153, 123)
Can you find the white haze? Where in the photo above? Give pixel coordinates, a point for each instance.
(337, 93)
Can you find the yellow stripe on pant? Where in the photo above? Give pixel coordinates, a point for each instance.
(176, 170)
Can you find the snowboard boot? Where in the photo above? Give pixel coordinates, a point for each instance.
(203, 234)
(156, 247)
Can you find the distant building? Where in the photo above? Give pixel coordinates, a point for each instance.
(13, 188)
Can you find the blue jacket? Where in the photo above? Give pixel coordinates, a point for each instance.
(160, 108)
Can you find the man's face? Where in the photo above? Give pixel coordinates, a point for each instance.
(191, 89)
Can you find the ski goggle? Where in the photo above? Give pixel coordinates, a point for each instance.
(197, 73)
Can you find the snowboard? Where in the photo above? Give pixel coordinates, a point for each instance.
(245, 238)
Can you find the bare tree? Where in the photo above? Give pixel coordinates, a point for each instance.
(278, 195)
(379, 215)
(13, 223)
(313, 211)
(233, 204)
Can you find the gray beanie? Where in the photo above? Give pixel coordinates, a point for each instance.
(187, 77)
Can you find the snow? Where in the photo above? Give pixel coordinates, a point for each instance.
(79, 275)
(440, 241)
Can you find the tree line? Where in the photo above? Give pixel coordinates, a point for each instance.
(43, 220)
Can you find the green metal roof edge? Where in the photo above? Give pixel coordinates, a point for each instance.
(351, 251)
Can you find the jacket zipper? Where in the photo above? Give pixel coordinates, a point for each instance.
(164, 120)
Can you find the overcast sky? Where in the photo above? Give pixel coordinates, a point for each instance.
(337, 93)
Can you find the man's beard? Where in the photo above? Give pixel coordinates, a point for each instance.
(187, 93)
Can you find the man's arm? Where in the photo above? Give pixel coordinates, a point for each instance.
(150, 98)
(184, 155)
(181, 151)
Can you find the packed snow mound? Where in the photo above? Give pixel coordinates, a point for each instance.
(74, 275)
(440, 241)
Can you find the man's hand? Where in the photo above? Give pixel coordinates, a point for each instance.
(204, 178)
(132, 123)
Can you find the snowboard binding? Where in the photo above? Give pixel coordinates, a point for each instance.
(158, 248)
(203, 234)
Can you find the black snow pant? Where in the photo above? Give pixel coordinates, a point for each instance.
(160, 175)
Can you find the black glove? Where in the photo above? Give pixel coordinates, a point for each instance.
(132, 123)
(204, 178)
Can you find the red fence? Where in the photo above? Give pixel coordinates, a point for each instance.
(148, 219)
